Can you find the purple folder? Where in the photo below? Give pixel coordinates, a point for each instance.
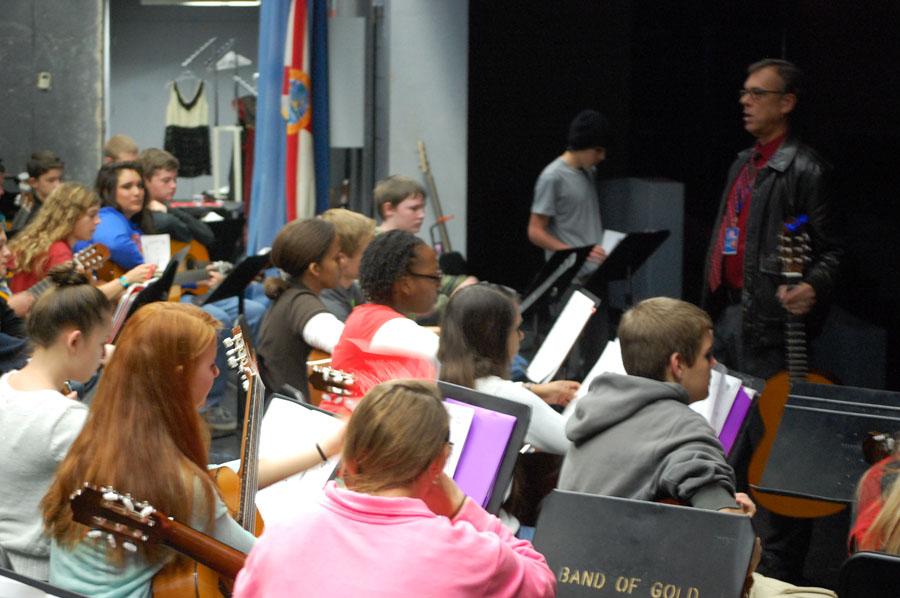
(483, 453)
(736, 417)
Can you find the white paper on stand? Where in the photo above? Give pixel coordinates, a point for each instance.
(562, 336)
(610, 361)
(157, 249)
(460, 423)
(723, 391)
(610, 239)
(286, 429)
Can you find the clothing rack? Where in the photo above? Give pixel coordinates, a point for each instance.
(198, 51)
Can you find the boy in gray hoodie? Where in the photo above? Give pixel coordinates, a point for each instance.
(634, 436)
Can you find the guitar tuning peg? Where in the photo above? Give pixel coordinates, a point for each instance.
(228, 341)
(110, 495)
(129, 546)
(233, 362)
(126, 500)
(94, 533)
(147, 511)
(245, 385)
(111, 540)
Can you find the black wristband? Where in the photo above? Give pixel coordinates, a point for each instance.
(321, 452)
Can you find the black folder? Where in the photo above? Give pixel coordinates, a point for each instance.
(605, 546)
(817, 451)
(520, 411)
(235, 283)
(556, 273)
(627, 257)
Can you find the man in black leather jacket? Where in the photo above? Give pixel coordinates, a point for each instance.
(777, 180)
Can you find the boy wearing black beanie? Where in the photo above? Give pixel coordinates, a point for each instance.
(566, 209)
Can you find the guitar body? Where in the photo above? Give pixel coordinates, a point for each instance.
(794, 250)
(184, 580)
(197, 257)
(179, 579)
(771, 407)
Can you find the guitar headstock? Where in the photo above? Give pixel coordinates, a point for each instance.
(116, 515)
(92, 257)
(423, 157)
(331, 380)
(794, 248)
(241, 353)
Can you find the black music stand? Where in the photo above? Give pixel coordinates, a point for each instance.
(870, 575)
(627, 257)
(520, 411)
(817, 451)
(43, 586)
(556, 273)
(158, 290)
(235, 283)
(627, 547)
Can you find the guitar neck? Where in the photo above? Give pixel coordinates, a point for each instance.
(796, 358)
(202, 548)
(249, 470)
(435, 199)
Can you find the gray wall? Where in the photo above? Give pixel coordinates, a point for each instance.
(425, 53)
(65, 39)
(147, 47)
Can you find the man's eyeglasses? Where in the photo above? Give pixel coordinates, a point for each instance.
(436, 277)
(758, 93)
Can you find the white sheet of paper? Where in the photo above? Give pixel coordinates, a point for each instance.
(286, 428)
(562, 336)
(723, 391)
(460, 423)
(610, 239)
(610, 361)
(157, 249)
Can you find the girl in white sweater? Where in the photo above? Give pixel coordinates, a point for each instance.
(479, 338)
(39, 420)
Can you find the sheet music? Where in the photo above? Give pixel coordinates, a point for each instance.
(460, 423)
(562, 336)
(610, 239)
(610, 361)
(723, 390)
(157, 249)
(286, 428)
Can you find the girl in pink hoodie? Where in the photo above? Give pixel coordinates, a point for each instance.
(401, 527)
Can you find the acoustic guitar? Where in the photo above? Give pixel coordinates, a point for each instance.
(89, 258)
(133, 522)
(794, 250)
(238, 490)
(440, 221)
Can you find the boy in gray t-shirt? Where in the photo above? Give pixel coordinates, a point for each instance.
(566, 210)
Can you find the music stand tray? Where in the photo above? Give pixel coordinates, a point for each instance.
(158, 290)
(625, 260)
(235, 283)
(817, 451)
(557, 272)
(520, 411)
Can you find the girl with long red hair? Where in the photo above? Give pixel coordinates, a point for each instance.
(145, 436)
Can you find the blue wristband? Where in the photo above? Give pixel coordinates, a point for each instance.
(124, 282)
